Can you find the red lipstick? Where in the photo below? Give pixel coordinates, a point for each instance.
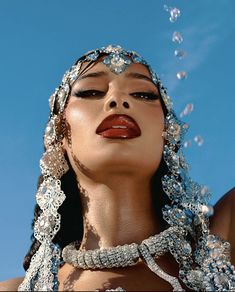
(118, 126)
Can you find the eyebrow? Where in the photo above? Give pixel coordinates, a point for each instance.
(128, 75)
(139, 76)
(95, 74)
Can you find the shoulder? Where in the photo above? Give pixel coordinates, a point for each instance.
(222, 222)
(11, 284)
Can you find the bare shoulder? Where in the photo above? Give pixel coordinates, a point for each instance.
(222, 222)
(11, 284)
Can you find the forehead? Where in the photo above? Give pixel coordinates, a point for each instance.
(100, 67)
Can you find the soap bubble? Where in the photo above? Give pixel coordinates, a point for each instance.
(166, 7)
(177, 37)
(187, 144)
(199, 140)
(187, 110)
(182, 75)
(180, 54)
(204, 190)
(174, 13)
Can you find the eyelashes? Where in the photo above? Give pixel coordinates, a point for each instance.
(89, 93)
(145, 95)
(98, 94)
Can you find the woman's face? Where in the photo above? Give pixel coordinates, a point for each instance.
(99, 93)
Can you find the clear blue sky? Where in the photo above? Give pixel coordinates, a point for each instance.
(41, 39)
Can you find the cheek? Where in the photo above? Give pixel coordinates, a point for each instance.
(153, 140)
(154, 124)
(79, 118)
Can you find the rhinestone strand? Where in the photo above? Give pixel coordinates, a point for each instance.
(126, 255)
(157, 270)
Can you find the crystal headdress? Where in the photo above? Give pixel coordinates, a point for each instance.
(203, 267)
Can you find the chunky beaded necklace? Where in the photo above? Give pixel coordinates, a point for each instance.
(130, 254)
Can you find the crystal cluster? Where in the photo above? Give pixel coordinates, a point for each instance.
(189, 210)
(117, 289)
(50, 196)
(48, 165)
(42, 274)
(117, 62)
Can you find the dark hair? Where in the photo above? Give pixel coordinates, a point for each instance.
(71, 210)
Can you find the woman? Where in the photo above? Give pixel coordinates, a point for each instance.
(115, 184)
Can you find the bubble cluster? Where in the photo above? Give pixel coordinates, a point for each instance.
(174, 13)
(177, 37)
(187, 110)
(197, 139)
(181, 75)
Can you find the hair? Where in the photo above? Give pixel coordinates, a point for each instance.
(71, 209)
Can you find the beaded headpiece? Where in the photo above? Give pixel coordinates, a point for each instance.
(205, 266)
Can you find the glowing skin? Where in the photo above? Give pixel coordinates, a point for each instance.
(115, 173)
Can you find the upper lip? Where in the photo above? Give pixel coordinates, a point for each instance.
(118, 120)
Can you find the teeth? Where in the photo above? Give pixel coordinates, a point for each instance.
(119, 127)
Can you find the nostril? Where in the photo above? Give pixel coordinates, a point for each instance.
(112, 104)
(126, 105)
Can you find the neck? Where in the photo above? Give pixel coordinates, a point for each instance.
(119, 211)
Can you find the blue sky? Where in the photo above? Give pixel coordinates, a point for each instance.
(41, 39)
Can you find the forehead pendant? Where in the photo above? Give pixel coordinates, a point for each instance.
(117, 60)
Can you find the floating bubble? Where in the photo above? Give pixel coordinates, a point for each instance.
(174, 13)
(177, 37)
(180, 54)
(199, 140)
(182, 75)
(166, 7)
(187, 110)
(187, 144)
(185, 126)
(204, 190)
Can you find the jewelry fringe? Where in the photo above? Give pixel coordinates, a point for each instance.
(157, 270)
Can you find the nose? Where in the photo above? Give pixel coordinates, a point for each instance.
(117, 102)
(113, 103)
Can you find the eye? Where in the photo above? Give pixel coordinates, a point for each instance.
(145, 95)
(89, 93)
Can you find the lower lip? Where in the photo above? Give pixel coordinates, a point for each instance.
(119, 133)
